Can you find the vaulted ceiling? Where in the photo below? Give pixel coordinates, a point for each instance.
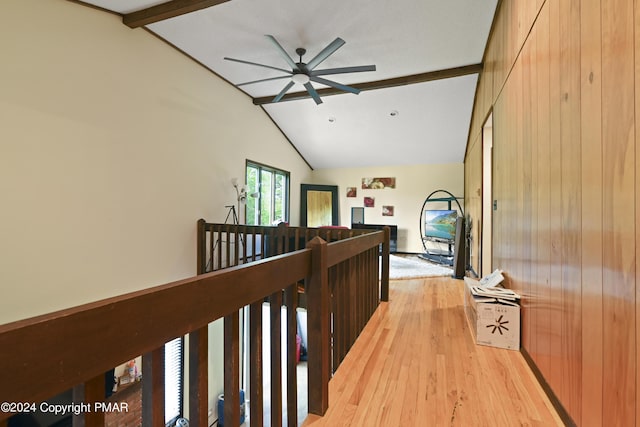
(415, 108)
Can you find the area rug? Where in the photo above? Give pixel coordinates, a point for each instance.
(412, 266)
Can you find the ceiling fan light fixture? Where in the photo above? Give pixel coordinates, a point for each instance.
(300, 78)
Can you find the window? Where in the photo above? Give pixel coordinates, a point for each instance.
(268, 190)
(173, 380)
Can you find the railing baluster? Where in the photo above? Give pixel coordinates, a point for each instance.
(232, 370)
(255, 365)
(198, 376)
(244, 244)
(227, 261)
(88, 393)
(339, 320)
(276, 358)
(153, 388)
(219, 247)
(291, 301)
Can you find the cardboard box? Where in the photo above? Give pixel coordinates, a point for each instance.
(492, 323)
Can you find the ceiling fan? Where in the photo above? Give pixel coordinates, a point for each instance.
(305, 73)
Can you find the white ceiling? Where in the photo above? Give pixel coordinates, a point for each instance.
(401, 37)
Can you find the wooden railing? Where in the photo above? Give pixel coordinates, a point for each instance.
(354, 292)
(73, 348)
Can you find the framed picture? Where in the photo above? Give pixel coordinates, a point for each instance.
(387, 211)
(352, 191)
(378, 183)
(369, 202)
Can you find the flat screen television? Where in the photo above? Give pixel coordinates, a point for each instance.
(440, 224)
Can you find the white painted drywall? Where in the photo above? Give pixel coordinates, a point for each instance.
(413, 184)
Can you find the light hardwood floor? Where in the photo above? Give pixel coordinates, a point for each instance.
(416, 364)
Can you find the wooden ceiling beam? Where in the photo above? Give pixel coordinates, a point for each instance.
(167, 10)
(382, 84)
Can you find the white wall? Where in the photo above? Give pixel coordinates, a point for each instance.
(413, 185)
(112, 146)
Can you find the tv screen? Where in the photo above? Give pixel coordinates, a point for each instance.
(440, 224)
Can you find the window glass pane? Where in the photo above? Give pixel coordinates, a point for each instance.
(266, 201)
(173, 380)
(279, 199)
(252, 202)
(270, 203)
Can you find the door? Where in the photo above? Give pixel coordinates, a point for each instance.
(318, 205)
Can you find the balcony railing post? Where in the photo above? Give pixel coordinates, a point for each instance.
(318, 328)
(231, 370)
(199, 376)
(384, 283)
(88, 393)
(153, 388)
(201, 247)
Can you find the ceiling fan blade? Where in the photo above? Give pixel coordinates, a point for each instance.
(263, 80)
(343, 70)
(325, 53)
(335, 84)
(283, 53)
(258, 65)
(313, 93)
(283, 91)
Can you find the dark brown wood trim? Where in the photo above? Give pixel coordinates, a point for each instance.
(199, 376)
(318, 327)
(384, 282)
(232, 370)
(89, 392)
(167, 10)
(201, 248)
(153, 388)
(484, 61)
(255, 370)
(564, 415)
(93, 6)
(275, 313)
(384, 84)
(291, 301)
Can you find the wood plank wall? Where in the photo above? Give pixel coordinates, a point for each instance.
(562, 78)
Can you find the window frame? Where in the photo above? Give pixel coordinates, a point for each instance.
(275, 172)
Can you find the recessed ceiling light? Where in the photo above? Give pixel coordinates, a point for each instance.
(394, 113)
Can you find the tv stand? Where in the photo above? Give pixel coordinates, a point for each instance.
(439, 256)
(440, 251)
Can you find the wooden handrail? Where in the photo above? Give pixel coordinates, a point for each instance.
(47, 354)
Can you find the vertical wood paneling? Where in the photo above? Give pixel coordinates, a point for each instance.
(531, 171)
(591, 156)
(637, 230)
(618, 217)
(565, 98)
(555, 199)
(542, 212)
(571, 205)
